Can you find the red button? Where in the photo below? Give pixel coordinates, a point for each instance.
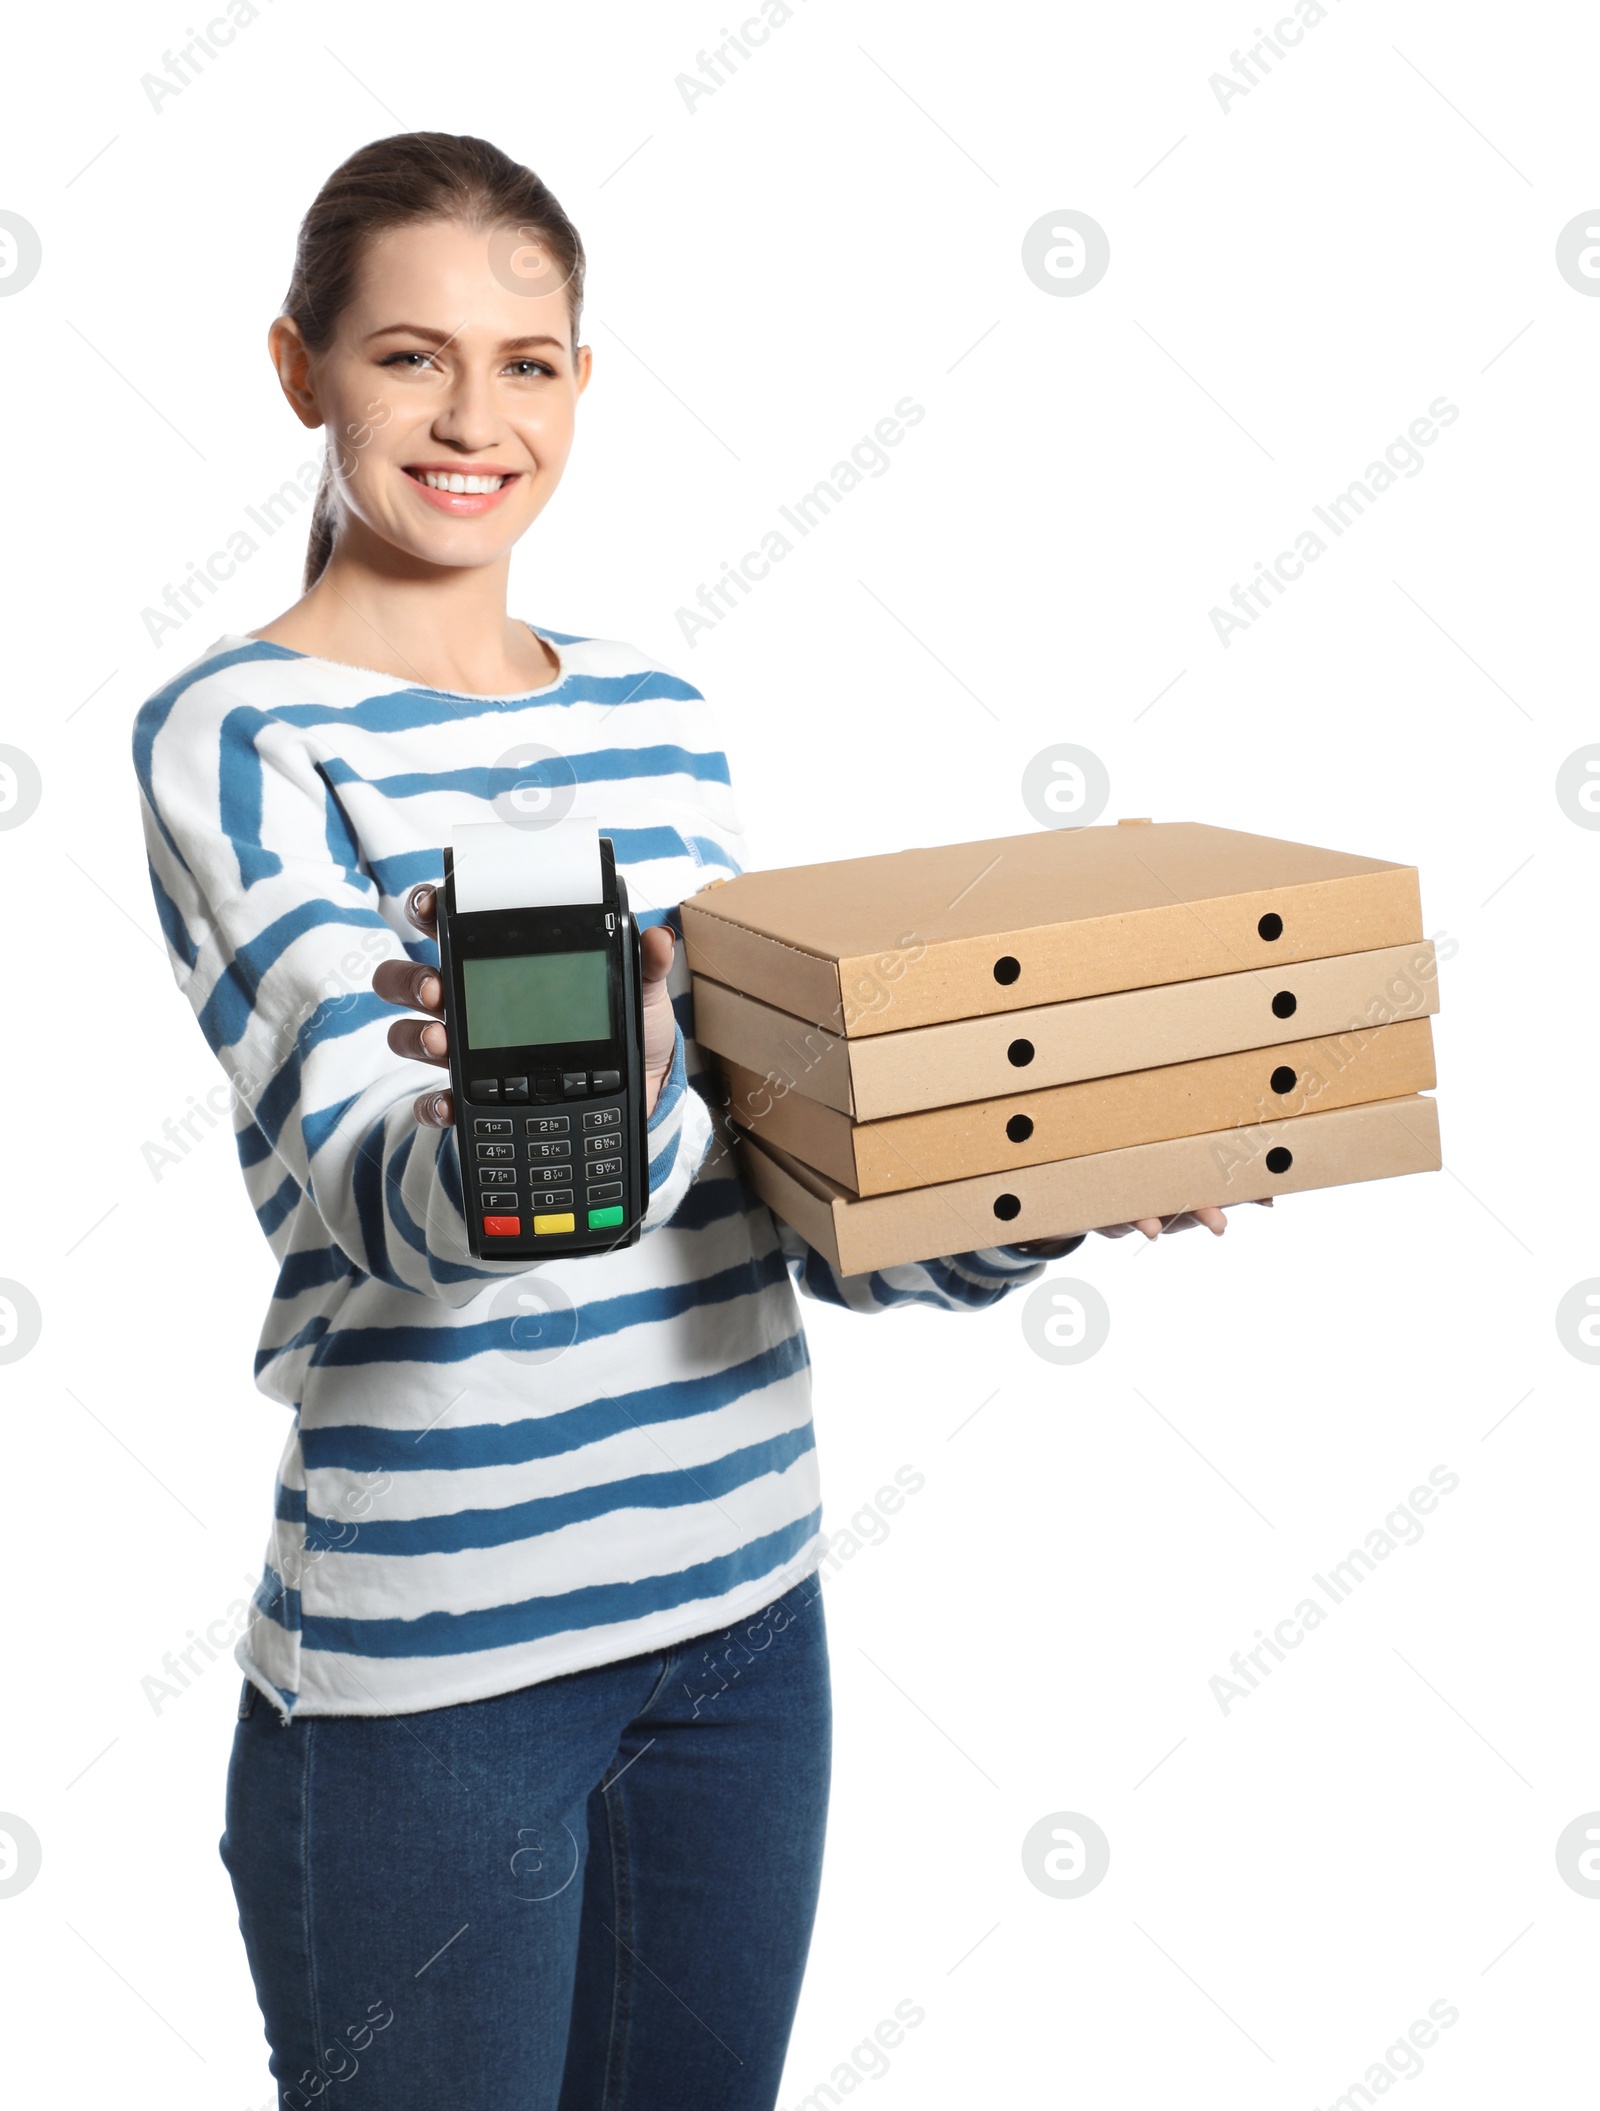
(502, 1227)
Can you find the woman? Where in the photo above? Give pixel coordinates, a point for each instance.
(526, 1803)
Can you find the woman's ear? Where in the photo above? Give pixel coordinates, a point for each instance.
(287, 350)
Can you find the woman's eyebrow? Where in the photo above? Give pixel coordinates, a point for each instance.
(508, 344)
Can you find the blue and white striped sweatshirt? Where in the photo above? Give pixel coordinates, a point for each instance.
(455, 1518)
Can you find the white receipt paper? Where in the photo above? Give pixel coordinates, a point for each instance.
(553, 866)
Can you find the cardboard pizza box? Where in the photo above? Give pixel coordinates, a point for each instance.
(1374, 1141)
(875, 945)
(1058, 1044)
(1075, 1121)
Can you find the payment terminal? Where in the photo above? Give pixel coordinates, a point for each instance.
(543, 1004)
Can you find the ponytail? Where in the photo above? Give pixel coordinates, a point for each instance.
(324, 512)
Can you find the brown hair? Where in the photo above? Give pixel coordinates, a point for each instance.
(393, 183)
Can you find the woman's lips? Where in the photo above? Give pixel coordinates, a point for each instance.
(461, 503)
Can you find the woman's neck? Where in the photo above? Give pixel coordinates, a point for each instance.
(449, 632)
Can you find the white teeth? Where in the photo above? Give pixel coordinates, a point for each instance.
(436, 481)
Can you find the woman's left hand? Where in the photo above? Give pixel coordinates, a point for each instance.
(1152, 1227)
(426, 1040)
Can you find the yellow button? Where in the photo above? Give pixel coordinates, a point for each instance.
(564, 1221)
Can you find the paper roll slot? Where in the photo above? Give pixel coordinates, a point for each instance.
(554, 866)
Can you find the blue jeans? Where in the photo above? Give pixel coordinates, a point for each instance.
(593, 1894)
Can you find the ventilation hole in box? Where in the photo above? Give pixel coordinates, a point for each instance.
(1020, 1052)
(1284, 1079)
(1006, 969)
(1006, 1207)
(1020, 1127)
(1284, 1005)
(1279, 1160)
(1271, 925)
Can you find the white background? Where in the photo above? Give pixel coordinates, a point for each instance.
(1292, 282)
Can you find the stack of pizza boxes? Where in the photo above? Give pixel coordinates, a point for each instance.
(940, 1049)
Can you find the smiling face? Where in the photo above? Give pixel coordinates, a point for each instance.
(448, 392)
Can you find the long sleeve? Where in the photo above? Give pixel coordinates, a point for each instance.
(273, 927)
(678, 1134)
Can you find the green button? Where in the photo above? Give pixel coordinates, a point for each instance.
(602, 1219)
